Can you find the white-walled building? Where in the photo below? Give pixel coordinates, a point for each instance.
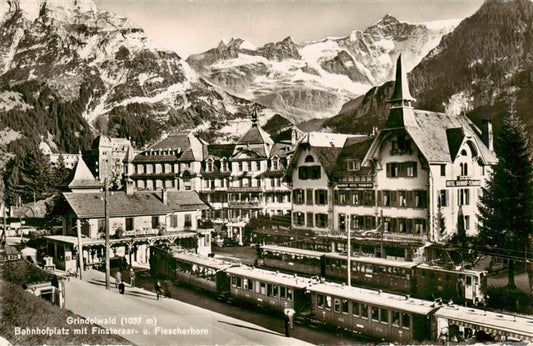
(417, 181)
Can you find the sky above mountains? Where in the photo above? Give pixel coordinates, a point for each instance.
(189, 27)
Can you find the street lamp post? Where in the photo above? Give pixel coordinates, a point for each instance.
(80, 247)
(349, 263)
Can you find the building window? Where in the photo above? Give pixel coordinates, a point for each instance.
(309, 158)
(299, 219)
(188, 221)
(275, 165)
(240, 166)
(310, 217)
(467, 222)
(442, 170)
(420, 226)
(392, 170)
(173, 221)
(464, 197)
(353, 165)
(321, 220)
(321, 197)
(155, 222)
(309, 172)
(402, 199)
(401, 169)
(298, 196)
(129, 224)
(209, 166)
(420, 199)
(443, 198)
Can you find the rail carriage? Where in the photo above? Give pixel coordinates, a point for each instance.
(302, 261)
(270, 289)
(460, 285)
(420, 280)
(391, 317)
(202, 272)
(372, 272)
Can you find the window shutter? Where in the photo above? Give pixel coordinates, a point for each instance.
(380, 198)
(389, 168)
(394, 198)
(309, 196)
(410, 199)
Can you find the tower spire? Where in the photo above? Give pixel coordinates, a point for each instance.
(401, 96)
(254, 117)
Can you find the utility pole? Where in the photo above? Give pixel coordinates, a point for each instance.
(80, 247)
(107, 247)
(349, 263)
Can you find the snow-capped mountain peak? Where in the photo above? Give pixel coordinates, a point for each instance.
(314, 79)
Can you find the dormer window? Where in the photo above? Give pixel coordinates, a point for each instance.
(209, 165)
(400, 146)
(224, 165)
(353, 165)
(309, 158)
(275, 164)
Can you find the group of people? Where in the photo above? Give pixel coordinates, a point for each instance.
(120, 283)
(122, 286)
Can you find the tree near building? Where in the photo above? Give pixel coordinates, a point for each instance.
(506, 205)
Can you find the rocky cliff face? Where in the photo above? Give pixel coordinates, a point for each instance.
(481, 68)
(60, 57)
(314, 79)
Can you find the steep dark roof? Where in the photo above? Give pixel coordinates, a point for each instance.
(174, 141)
(185, 200)
(355, 148)
(281, 150)
(83, 178)
(120, 204)
(455, 139)
(327, 157)
(220, 150)
(255, 136)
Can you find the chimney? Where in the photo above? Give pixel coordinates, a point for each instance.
(164, 196)
(486, 134)
(129, 186)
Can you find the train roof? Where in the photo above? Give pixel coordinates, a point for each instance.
(375, 297)
(491, 322)
(271, 276)
(296, 251)
(374, 260)
(432, 267)
(201, 260)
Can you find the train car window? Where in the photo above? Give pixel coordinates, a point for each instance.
(384, 316)
(239, 281)
(248, 284)
(275, 290)
(328, 302)
(364, 311)
(355, 309)
(263, 288)
(320, 301)
(257, 288)
(345, 306)
(337, 305)
(395, 318)
(289, 294)
(234, 281)
(406, 321)
(369, 268)
(375, 314)
(282, 291)
(269, 290)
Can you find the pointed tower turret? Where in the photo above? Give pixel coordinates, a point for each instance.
(84, 180)
(254, 118)
(401, 109)
(401, 96)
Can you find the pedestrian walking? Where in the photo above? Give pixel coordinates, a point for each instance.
(132, 277)
(121, 287)
(118, 277)
(158, 289)
(286, 319)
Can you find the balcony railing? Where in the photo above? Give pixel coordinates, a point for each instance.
(245, 188)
